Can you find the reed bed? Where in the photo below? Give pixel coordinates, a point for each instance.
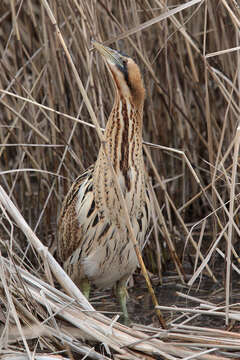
(55, 97)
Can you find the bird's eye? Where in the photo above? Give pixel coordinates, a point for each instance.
(124, 62)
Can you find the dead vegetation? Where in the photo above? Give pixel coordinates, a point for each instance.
(52, 90)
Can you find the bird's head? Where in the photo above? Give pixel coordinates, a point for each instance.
(125, 72)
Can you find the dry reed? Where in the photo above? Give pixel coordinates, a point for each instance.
(51, 89)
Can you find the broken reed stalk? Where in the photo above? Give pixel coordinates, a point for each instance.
(57, 270)
(210, 312)
(120, 338)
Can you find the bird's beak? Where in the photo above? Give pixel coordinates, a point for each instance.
(112, 56)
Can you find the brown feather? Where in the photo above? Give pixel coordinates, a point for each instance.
(93, 241)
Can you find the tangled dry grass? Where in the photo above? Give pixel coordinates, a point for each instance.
(189, 57)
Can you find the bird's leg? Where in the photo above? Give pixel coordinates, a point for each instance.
(85, 287)
(122, 294)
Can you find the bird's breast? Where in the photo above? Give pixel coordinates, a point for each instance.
(107, 197)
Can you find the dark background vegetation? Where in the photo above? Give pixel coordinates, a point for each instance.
(191, 101)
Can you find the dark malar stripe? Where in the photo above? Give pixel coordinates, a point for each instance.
(124, 162)
(116, 142)
(133, 125)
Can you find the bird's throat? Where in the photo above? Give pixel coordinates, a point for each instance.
(124, 136)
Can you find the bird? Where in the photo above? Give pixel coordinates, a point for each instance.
(93, 239)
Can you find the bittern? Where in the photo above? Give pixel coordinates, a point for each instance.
(93, 241)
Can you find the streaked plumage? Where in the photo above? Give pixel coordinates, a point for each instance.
(93, 241)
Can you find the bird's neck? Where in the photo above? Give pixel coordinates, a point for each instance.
(123, 145)
(124, 134)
